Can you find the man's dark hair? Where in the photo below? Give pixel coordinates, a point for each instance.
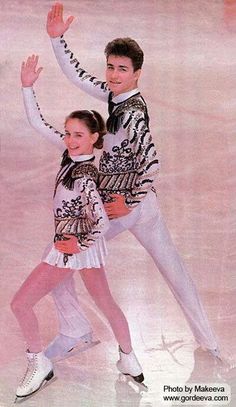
(126, 47)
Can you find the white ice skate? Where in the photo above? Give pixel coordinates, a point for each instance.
(128, 365)
(63, 347)
(215, 352)
(38, 371)
(225, 365)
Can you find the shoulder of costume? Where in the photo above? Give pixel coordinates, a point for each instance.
(135, 102)
(85, 170)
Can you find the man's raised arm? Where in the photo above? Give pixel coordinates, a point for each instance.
(69, 64)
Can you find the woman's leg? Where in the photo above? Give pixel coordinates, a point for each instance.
(96, 283)
(39, 283)
(72, 321)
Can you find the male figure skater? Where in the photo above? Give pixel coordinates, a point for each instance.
(128, 167)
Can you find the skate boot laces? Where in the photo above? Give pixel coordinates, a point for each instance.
(30, 371)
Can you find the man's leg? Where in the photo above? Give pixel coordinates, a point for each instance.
(153, 235)
(72, 321)
(74, 327)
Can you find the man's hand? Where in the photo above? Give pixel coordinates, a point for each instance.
(117, 208)
(29, 71)
(68, 246)
(55, 23)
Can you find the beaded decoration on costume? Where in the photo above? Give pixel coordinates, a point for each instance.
(130, 167)
(82, 73)
(79, 215)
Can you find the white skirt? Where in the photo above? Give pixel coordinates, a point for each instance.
(94, 256)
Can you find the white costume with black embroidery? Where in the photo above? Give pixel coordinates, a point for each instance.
(128, 166)
(77, 206)
(129, 163)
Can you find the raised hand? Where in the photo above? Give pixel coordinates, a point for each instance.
(55, 23)
(29, 71)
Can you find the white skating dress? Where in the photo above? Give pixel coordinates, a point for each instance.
(77, 206)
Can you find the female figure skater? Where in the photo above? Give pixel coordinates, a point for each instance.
(80, 223)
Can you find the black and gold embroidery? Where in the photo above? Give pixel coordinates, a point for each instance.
(82, 73)
(130, 167)
(116, 117)
(70, 171)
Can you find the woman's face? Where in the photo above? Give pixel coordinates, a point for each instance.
(78, 138)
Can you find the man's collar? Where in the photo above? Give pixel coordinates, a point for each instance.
(123, 96)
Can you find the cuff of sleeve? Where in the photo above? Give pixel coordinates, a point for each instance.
(130, 205)
(27, 90)
(81, 247)
(27, 93)
(56, 40)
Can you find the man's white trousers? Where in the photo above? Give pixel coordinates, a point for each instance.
(145, 222)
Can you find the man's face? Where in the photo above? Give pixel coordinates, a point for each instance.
(120, 74)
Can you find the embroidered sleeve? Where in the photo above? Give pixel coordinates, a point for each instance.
(145, 156)
(37, 121)
(96, 218)
(75, 73)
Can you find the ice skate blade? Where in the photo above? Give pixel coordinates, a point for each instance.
(133, 386)
(45, 383)
(76, 350)
(138, 380)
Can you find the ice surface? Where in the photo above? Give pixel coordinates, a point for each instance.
(189, 83)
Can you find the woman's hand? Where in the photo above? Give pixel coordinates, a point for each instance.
(55, 24)
(68, 246)
(29, 71)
